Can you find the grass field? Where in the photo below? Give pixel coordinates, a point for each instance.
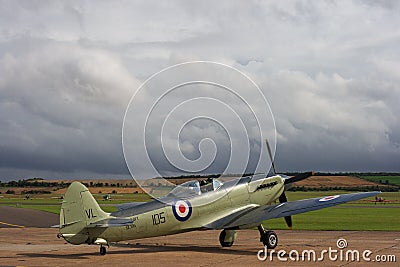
(54, 208)
(342, 218)
(376, 178)
(359, 215)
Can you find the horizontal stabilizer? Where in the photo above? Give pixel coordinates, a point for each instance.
(113, 222)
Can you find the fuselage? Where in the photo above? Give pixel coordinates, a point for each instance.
(170, 215)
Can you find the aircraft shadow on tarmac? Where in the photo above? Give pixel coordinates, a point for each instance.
(58, 256)
(144, 248)
(150, 248)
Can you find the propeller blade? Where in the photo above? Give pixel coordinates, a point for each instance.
(299, 177)
(283, 198)
(270, 155)
(288, 219)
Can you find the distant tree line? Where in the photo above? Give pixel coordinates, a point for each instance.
(61, 184)
(355, 174)
(35, 183)
(204, 176)
(37, 192)
(344, 188)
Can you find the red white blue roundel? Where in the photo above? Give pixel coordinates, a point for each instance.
(182, 210)
(329, 198)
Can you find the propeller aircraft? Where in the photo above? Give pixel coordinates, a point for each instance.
(228, 206)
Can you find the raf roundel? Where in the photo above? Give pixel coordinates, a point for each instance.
(329, 198)
(182, 210)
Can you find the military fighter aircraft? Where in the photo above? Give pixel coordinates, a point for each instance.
(228, 206)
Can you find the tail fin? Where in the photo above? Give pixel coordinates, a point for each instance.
(78, 210)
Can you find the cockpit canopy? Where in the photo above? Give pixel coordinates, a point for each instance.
(188, 189)
(216, 184)
(193, 188)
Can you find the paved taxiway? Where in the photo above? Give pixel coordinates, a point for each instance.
(18, 217)
(32, 246)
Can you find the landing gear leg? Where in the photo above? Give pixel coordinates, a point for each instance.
(268, 238)
(103, 250)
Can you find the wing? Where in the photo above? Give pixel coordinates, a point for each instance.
(252, 216)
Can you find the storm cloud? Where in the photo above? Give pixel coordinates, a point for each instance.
(330, 71)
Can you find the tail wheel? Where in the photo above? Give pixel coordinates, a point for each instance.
(222, 241)
(270, 239)
(103, 250)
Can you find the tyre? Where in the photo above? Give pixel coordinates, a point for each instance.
(222, 236)
(270, 239)
(103, 251)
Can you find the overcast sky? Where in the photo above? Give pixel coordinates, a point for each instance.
(330, 71)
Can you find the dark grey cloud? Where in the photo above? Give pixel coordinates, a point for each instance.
(330, 70)
(60, 111)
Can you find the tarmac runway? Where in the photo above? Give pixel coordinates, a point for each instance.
(32, 246)
(18, 217)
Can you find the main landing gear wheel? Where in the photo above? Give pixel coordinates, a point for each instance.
(103, 250)
(268, 238)
(227, 237)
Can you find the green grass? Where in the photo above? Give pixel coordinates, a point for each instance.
(53, 209)
(35, 200)
(123, 198)
(337, 218)
(52, 203)
(56, 208)
(108, 208)
(377, 178)
(349, 216)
